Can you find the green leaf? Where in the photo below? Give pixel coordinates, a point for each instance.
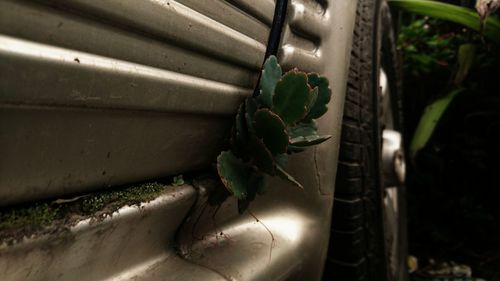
(294, 149)
(271, 129)
(241, 131)
(218, 195)
(271, 74)
(262, 187)
(281, 159)
(466, 55)
(304, 134)
(261, 156)
(429, 120)
(291, 97)
(233, 173)
(250, 109)
(286, 176)
(178, 180)
(313, 97)
(303, 129)
(256, 183)
(453, 13)
(302, 141)
(324, 95)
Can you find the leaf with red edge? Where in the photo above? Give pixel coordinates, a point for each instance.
(291, 97)
(271, 129)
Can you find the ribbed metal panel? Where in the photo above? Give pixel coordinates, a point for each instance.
(260, 9)
(229, 15)
(171, 21)
(62, 77)
(56, 27)
(308, 24)
(50, 151)
(151, 83)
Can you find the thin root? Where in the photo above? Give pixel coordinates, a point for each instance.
(268, 230)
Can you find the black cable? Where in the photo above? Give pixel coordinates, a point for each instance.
(275, 35)
(273, 41)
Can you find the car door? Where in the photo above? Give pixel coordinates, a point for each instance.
(96, 95)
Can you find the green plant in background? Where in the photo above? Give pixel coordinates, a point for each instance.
(433, 112)
(452, 110)
(489, 27)
(280, 121)
(453, 13)
(425, 51)
(428, 122)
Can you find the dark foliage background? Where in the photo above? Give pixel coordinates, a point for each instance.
(453, 184)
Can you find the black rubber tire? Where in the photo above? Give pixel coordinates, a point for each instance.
(358, 248)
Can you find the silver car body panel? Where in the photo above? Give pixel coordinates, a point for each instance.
(116, 75)
(285, 234)
(129, 245)
(134, 90)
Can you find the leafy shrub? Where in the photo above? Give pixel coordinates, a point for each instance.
(279, 121)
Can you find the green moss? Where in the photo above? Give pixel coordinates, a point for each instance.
(129, 196)
(36, 215)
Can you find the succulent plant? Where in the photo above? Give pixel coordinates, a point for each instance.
(278, 122)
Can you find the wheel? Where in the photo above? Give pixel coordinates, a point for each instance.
(368, 234)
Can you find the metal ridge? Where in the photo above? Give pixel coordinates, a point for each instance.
(120, 84)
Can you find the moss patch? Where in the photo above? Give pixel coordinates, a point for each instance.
(35, 215)
(130, 196)
(49, 217)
